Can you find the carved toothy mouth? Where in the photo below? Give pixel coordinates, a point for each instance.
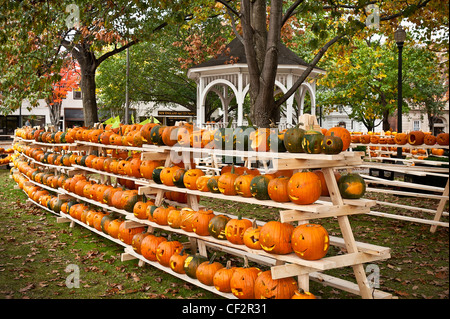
(301, 253)
(267, 248)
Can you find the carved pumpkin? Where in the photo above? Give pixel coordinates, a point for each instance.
(176, 262)
(113, 227)
(212, 184)
(191, 264)
(242, 282)
(178, 177)
(310, 241)
(149, 245)
(277, 189)
(174, 218)
(222, 277)
(332, 144)
(235, 228)
(293, 139)
(429, 139)
(259, 185)
(343, 133)
(166, 249)
(251, 236)
(147, 168)
(166, 175)
(301, 294)
(365, 139)
(352, 186)
(137, 241)
(442, 139)
(201, 221)
(275, 237)
(216, 226)
(304, 188)
(156, 175)
(206, 270)
(202, 183)
(268, 288)
(226, 181)
(160, 215)
(401, 138)
(140, 209)
(170, 135)
(187, 218)
(126, 234)
(312, 142)
(190, 178)
(242, 185)
(416, 137)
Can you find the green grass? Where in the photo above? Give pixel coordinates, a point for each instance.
(35, 251)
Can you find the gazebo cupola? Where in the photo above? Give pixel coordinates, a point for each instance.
(227, 75)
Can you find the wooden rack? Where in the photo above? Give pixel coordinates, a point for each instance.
(357, 253)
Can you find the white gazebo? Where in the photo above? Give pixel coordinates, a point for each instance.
(227, 76)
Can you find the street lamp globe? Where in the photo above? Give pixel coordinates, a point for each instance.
(400, 35)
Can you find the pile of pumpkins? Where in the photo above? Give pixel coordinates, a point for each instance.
(414, 138)
(301, 188)
(243, 282)
(46, 157)
(245, 138)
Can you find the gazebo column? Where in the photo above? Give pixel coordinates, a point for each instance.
(240, 99)
(200, 103)
(290, 101)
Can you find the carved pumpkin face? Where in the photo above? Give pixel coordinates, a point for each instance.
(166, 175)
(310, 241)
(242, 185)
(176, 262)
(201, 221)
(275, 237)
(187, 219)
(301, 294)
(226, 183)
(202, 182)
(242, 282)
(332, 144)
(174, 218)
(212, 184)
(352, 186)
(149, 245)
(235, 228)
(216, 226)
(304, 188)
(191, 263)
(191, 176)
(251, 237)
(268, 288)
(165, 250)
(277, 189)
(222, 277)
(205, 272)
(343, 133)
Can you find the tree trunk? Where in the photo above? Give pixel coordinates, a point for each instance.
(89, 98)
(55, 113)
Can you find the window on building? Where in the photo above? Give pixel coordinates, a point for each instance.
(416, 125)
(342, 124)
(77, 95)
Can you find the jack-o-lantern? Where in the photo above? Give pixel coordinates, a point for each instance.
(149, 245)
(212, 184)
(216, 226)
(304, 188)
(429, 139)
(242, 185)
(174, 218)
(191, 264)
(176, 262)
(235, 228)
(206, 270)
(191, 176)
(251, 236)
(278, 189)
(332, 144)
(268, 288)
(259, 185)
(310, 241)
(166, 249)
(137, 241)
(301, 294)
(166, 175)
(226, 181)
(222, 277)
(416, 137)
(187, 218)
(202, 183)
(275, 237)
(201, 221)
(442, 139)
(401, 138)
(343, 133)
(351, 186)
(242, 282)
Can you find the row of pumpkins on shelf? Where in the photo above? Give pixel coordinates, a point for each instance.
(294, 140)
(301, 188)
(415, 138)
(414, 151)
(243, 282)
(308, 241)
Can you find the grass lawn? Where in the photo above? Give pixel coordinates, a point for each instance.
(35, 251)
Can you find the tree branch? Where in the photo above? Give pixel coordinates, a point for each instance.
(290, 11)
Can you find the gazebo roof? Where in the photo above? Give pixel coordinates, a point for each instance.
(235, 52)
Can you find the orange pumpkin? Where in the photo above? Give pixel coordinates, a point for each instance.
(201, 221)
(190, 178)
(222, 277)
(310, 241)
(416, 137)
(275, 237)
(268, 288)
(278, 189)
(343, 133)
(304, 188)
(235, 228)
(442, 139)
(166, 249)
(206, 270)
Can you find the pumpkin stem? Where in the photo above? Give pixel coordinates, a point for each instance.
(300, 290)
(249, 120)
(230, 121)
(245, 261)
(254, 224)
(212, 258)
(228, 266)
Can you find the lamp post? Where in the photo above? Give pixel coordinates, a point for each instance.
(399, 36)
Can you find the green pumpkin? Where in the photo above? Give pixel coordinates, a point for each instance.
(191, 263)
(312, 142)
(216, 226)
(178, 178)
(332, 144)
(107, 218)
(293, 139)
(276, 142)
(57, 206)
(152, 209)
(352, 186)
(156, 134)
(83, 160)
(131, 201)
(62, 138)
(212, 185)
(156, 174)
(258, 187)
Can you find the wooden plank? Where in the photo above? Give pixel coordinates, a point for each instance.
(411, 194)
(376, 180)
(151, 156)
(440, 208)
(408, 218)
(295, 215)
